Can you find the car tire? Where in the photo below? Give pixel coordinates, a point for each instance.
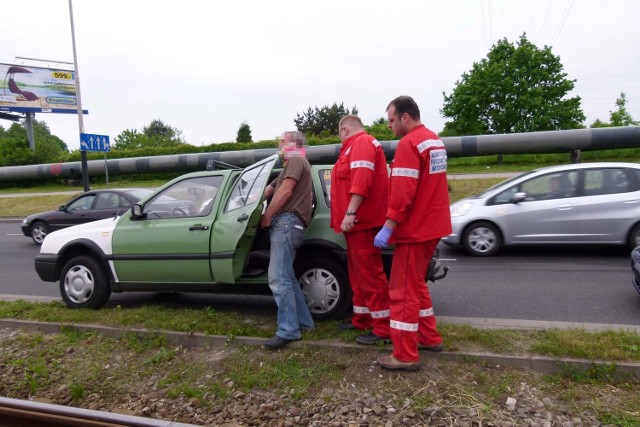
(481, 239)
(634, 237)
(325, 285)
(39, 231)
(84, 284)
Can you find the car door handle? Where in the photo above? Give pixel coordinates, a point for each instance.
(198, 227)
(243, 217)
(565, 207)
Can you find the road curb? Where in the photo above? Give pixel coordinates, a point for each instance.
(543, 364)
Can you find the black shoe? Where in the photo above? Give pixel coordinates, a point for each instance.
(371, 338)
(275, 342)
(346, 326)
(434, 348)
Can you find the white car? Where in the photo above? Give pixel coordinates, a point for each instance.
(575, 204)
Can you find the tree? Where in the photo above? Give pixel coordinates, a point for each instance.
(244, 133)
(379, 129)
(15, 150)
(156, 134)
(621, 116)
(515, 89)
(618, 117)
(323, 121)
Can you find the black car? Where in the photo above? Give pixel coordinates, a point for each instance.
(86, 207)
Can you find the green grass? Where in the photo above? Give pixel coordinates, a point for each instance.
(577, 343)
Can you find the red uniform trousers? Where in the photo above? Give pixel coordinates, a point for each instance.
(368, 282)
(412, 317)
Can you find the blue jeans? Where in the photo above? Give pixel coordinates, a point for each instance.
(287, 233)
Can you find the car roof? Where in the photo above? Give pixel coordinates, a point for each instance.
(576, 166)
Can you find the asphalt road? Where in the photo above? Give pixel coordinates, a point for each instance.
(582, 285)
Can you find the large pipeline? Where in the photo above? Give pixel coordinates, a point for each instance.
(564, 141)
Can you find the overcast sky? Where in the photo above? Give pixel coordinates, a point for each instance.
(204, 67)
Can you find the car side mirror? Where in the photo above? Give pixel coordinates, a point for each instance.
(62, 208)
(136, 210)
(518, 197)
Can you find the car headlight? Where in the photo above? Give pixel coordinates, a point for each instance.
(460, 209)
(24, 221)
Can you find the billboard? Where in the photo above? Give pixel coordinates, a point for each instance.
(26, 89)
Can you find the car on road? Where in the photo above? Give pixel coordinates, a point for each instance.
(215, 245)
(85, 207)
(575, 204)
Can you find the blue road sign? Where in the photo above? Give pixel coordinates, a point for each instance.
(90, 142)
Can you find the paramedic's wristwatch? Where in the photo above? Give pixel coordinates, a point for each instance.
(350, 212)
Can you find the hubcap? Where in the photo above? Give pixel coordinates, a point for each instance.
(482, 239)
(39, 233)
(78, 284)
(320, 289)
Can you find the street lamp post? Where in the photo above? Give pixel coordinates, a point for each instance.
(83, 153)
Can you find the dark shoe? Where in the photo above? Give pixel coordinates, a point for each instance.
(371, 338)
(434, 348)
(346, 326)
(393, 364)
(275, 342)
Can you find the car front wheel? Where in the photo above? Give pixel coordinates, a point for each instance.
(325, 285)
(83, 283)
(481, 239)
(39, 231)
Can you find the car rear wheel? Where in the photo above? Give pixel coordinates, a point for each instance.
(325, 285)
(481, 239)
(83, 283)
(634, 237)
(39, 231)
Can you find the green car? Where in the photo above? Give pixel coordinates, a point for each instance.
(200, 233)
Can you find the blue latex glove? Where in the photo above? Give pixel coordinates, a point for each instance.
(382, 238)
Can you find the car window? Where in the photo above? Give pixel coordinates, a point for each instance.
(248, 188)
(556, 185)
(107, 201)
(82, 204)
(190, 197)
(325, 180)
(606, 181)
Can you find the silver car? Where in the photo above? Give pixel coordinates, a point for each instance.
(576, 204)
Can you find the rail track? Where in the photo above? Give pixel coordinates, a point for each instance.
(20, 413)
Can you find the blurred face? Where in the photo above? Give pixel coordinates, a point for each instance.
(396, 124)
(289, 148)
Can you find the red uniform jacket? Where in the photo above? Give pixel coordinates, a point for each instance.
(361, 169)
(419, 195)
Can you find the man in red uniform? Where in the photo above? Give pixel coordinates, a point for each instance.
(359, 192)
(417, 217)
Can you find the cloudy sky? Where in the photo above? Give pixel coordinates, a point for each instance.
(204, 67)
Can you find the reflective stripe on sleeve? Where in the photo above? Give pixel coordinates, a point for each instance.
(380, 314)
(409, 327)
(360, 310)
(409, 173)
(375, 143)
(429, 143)
(362, 164)
(426, 312)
